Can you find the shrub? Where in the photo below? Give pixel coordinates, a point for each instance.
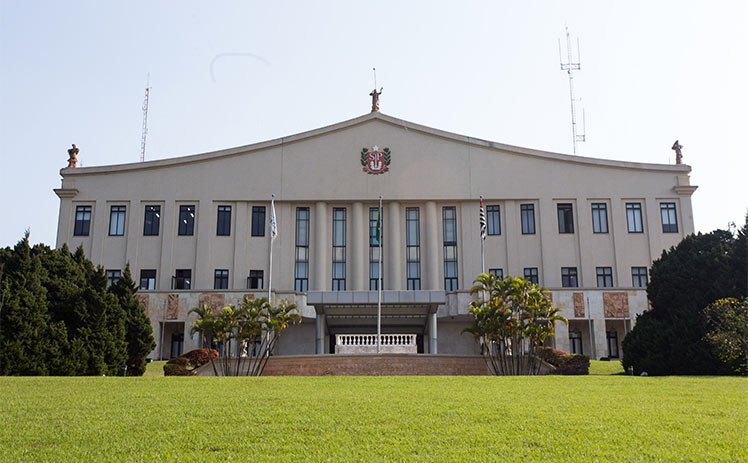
(199, 357)
(565, 363)
(176, 369)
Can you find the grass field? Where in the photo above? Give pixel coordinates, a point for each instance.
(590, 418)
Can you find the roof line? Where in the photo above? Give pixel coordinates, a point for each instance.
(202, 157)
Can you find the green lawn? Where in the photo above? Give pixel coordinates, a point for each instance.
(598, 367)
(552, 418)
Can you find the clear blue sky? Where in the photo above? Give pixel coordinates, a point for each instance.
(226, 74)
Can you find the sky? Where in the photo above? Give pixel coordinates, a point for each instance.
(225, 74)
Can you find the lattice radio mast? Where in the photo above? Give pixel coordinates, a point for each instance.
(145, 119)
(569, 66)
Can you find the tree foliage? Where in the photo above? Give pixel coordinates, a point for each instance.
(727, 321)
(247, 333)
(138, 329)
(671, 338)
(57, 316)
(512, 318)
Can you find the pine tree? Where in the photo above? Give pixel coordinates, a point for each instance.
(138, 330)
(30, 342)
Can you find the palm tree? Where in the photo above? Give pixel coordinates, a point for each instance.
(512, 317)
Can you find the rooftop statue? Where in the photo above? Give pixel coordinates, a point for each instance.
(73, 153)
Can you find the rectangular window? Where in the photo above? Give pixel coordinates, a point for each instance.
(565, 218)
(117, 221)
(496, 272)
(413, 247)
(599, 218)
(575, 340)
(338, 248)
(255, 279)
(223, 224)
(604, 277)
(186, 220)
(639, 277)
(669, 219)
(374, 249)
(531, 275)
(612, 344)
(634, 222)
(527, 213)
(258, 220)
(493, 218)
(152, 221)
(82, 221)
(301, 268)
(112, 277)
(147, 280)
(449, 222)
(182, 279)
(221, 279)
(569, 277)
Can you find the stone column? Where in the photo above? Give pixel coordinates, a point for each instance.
(430, 259)
(320, 280)
(392, 241)
(433, 341)
(561, 337)
(359, 243)
(601, 338)
(320, 337)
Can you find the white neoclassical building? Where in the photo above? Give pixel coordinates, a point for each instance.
(195, 231)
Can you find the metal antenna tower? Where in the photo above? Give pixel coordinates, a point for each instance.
(145, 119)
(569, 66)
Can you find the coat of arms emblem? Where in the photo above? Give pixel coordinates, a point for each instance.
(376, 161)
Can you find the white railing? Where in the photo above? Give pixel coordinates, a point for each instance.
(367, 344)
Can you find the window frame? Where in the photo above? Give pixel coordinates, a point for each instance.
(531, 274)
(117, 219)
(606, 274)
(149, 277)
(527, 218)
(569, 277)
(669, 217)
(152, 220)
(82, 222)
(112, 277)
(301, 254)
(413, 248)
(256, 279)
(339, 240)
(449, 230)
(221, 278)
(493, 220)
(634, 217)
(182, 279)
(223, 220)
(186, 225)
(637, 275)
(565, 213)
(259, 217)
(599, 218)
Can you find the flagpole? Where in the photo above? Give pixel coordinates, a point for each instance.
(482, 235)
(379, 283)
(273, 230)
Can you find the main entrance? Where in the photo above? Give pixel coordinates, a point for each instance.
(349, 318)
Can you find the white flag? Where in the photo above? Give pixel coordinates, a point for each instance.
(273, 223)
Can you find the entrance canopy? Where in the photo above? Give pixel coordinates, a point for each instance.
(359, 308)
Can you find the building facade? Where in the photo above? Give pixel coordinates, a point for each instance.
(195, 231)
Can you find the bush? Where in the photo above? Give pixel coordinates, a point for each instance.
(565, 363)
(176, 369)
(199, 357)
